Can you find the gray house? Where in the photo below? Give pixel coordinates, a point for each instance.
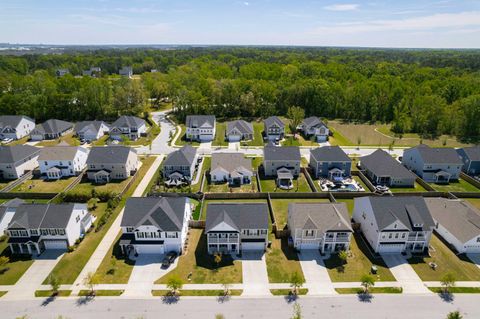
(273, 128)
(330, 162)
(233, 168)
(111, 163)
(470, 157)
(126, 71)
(93, 72)
(283, 163)
(50, 130)
(313, 126)
(130, 127)
(91, 130)
(383, 169)
(239, 130)
(17, 160)
(15, 126)
(180, 165)
(200, 128)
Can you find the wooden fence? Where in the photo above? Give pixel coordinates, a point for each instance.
(470, 179)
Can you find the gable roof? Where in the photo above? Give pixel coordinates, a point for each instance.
(15, 153)
(12, 120)
(183, 156)
(330, 154)
(459, 217)
(281, 153)
(60, 153)
(165, 213)
(238, 215)
(313, 121)
(13, 203)
(438, 155)
(242, 126)
(200, 120)
(381, 163)
(473, 153)
(34, 216)
(409, 210)
(321, 216)
(269, 121)
(128, 121)
(52, 126)
(230, 162)
(109, 154)
(89, 125)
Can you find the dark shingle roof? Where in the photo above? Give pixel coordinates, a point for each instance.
(230, 161)
(184, 156)
(438, 155)
(94, 125)
(322, 216)
(199, 120)
(13, 203)
(166, 213)
(282, 153)
(273, 119)
(128, 121)
(312, 121)
(473, 153)
(382, 164)
(52, 127)
(109, 154)
(12, 154)
(42, 216)
(12, 120)
(329, 154)
(237, 215)
(242, 126)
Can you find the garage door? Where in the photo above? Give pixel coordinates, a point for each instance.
(472, 249)
(55, 244)
(234, 138)
(393, 248)
(253, 246)
(309, 246)
(150, 249)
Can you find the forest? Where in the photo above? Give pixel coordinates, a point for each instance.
(429, 92)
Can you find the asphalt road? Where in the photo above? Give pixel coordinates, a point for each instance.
(380, 307)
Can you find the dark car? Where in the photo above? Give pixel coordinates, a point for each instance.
(169, 259)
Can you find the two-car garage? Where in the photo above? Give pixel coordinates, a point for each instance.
(253, 245)
(150, 249)
(56, 244)
(390, 248)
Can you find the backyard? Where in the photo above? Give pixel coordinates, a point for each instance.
(475, 202)
(282, 261)
(68, 138)
(280, 208)
(300, 185)
(224, 188)
(349, 202)
(40, 185)
(416, 188)
(460, 186)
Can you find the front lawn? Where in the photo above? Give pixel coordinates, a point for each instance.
(282, 261)
(462, 267)
(101, 293)
(358, 264)
(197, 262)
(102, 141)
(456, 290)
(338, 138)
(299, 140)
(48, 293)
(257, 135)
(460, 186)
(15, 268)
(69, 139)
(280, 208)
(181, 140)
(220, 135)
(39, 185)
(3, 183)
(300, 185)
(286, 292)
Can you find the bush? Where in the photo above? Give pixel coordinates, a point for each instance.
(76, 197)
(71, 249)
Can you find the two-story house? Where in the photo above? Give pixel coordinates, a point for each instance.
(394, 224)
(17, 160)
(91, 130)
(155, 225)
(236, 227)
(50, 130)
(179, 166)
(94, 72)
(282, 163)
(239, 130)
(273, 128)
(382, 169)
(232, 168)
(433, 164)
(330, 162)
(15, 126)
(126, 71)
(313, 126)
(62, 161)
(130, 127)
(200, 128)
(321, 226)
(111, 163)
(470, 157)
(38, 227)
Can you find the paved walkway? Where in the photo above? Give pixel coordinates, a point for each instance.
(255, 277)
(475, 258)
(160, 143)
(316, 275)
(404, 274)
(198, 175)
(235, 146)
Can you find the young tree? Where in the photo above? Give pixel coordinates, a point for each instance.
(174, 284)
(454, 315)
(4, 260)
(217, 258)
(226, 288)
(54, 284)
(447, 281)
(296, 282)
(343, 255)
(296, 115)
(368, 281)
(297, 311)
(219, 316)
(359, 141)
(90, 281)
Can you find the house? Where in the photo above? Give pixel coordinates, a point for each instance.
(321, 226)
(62, 161)
(273, 128)
(470, 157)
(91, 130)
(7, 210)
(61, 72)
(383, 169)
(330, 162)
(236, 227)
(111, 163)
(232, 168)
(437, 164)
(200, 128)
(394, 224)
(15, 126)
(130, 127)
(17, 160)
(51, 130)
(239, 130)
(126, 71)
(180, 165)
(283, 163)
(35, 228)
(155, 225)
(457, 222)
(313, 126)
(93, 72)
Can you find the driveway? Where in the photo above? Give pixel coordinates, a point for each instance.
(475, 258)
(254, 272)
(160, 143)
(404, 274)
(316, 275)
(235, 146)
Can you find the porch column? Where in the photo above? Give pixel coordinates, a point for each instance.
(38, 248)
(21, 248)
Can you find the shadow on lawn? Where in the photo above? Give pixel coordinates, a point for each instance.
(288, 251)
(205, 260)
(120, 257)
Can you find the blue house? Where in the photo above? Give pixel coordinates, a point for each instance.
(471, 160)
(330, 162)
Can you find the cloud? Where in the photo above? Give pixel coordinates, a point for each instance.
(246, 3)
(342, 7)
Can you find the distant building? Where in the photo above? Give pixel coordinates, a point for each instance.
(200, 128)
(273, 128)
(239, 130)
(313, 126)
(91, 130)
(61, 72)
(93, 72)
(130, 127)
(50, 130)
(15, 126)
(126, 71)
(232, 168)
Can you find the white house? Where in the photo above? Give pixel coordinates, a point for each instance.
(17, 160)
(232, 168)
(313, 126)
(126, 71)
(320, 226)
(239, 130)
(91, 130)
(236, 227)
(111, 163)
(7, 210)
(457, 222)
(62, 161)
(155, 225)
(38, 227)
(15, 126)
(200, 128)
(394, 224)
(130, 127)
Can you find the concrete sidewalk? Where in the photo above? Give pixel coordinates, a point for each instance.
(316, 275)
(405, 275)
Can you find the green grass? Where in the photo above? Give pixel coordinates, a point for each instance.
(475, 202)
(48, 293)
(456, 290)
(101, 293)
(462, 268)
(282, 261)
(181, 140)
(220, 134)
(350, 204)
(2, 293)
(460, 186)
(203, 216)
(43, 186)
(359, 181)
(358, 264)
(205, 293)
(290, 141)
(286, 292)
(15, 268)
(4, 183)
(152, 133)
(373, 290)
(417, 188)
(300, 185)
(114, 186)
(197, 210)
(280, 208)
(256, 162)
(257, 135)
(102, 141)
(18, 142)
(69, 139)
(338, 138)
(201, 265)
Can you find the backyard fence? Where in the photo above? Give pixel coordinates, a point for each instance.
(310, 182)
(470, 179)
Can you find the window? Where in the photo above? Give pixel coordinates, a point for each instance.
(34, 232)
(129, 229)
(403, 235)
(390, 236)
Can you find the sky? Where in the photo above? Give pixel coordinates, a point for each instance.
(371, 23)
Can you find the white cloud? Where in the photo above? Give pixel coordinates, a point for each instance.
(246, 3)
(342, 7)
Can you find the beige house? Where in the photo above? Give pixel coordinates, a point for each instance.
(111, 163)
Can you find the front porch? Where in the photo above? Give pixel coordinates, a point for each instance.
(26, 245)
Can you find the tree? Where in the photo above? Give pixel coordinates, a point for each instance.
(367, 281)
(226, 288)
(219, 316)
(217, 258)
(297, 311)
(296, 282)
(174, 283)
(4, 260)
(90, 281)
(54, 284)
(447, 281)
(454, 315)
(296, 115)
(343, 255)
(359, 141)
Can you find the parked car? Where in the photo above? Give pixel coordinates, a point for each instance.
(169, 259)
(7, 140)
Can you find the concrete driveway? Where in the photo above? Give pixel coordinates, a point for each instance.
(255, 277)
(475, 258)
(316, 275)
(160, 143)
(404, 274)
